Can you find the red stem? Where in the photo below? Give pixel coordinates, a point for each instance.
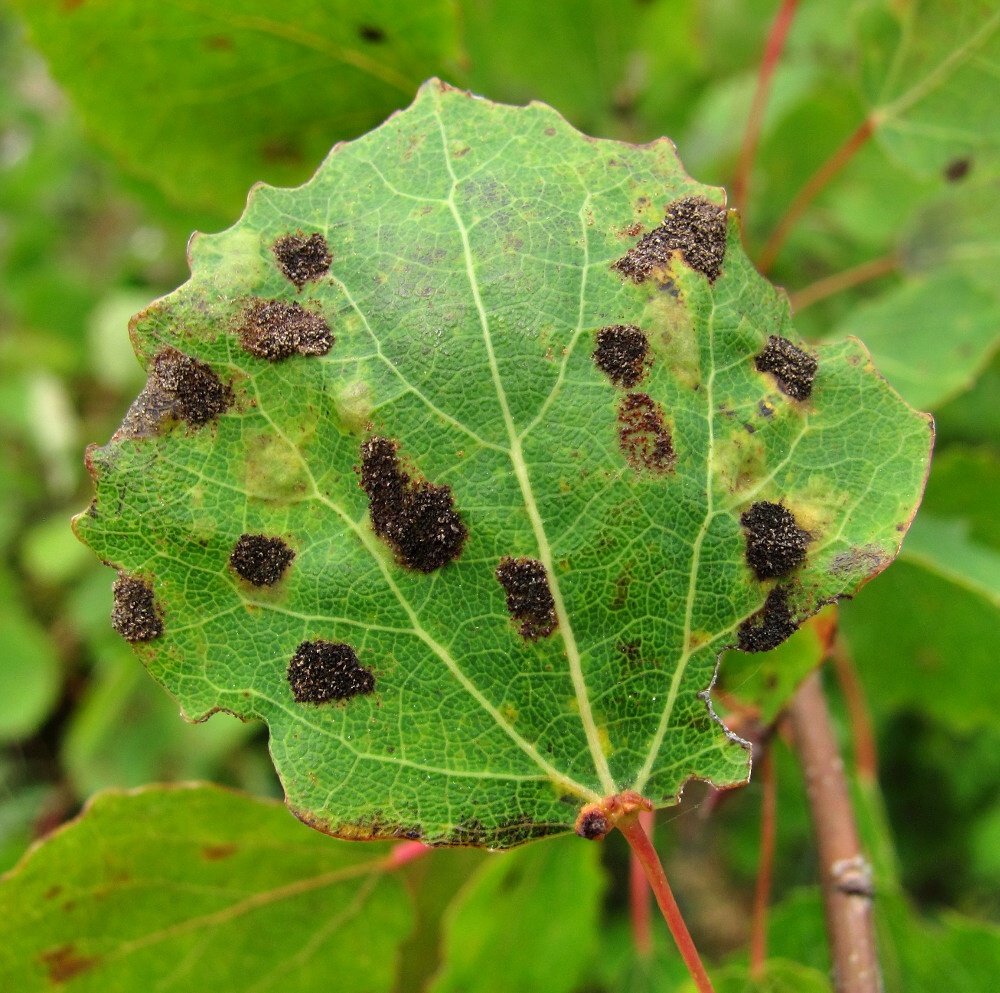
(406, 852)
(755, 120)
(765, 871)
(807, 194)
(862, 732)
(841, 281)
(644, 851)
(639, 893)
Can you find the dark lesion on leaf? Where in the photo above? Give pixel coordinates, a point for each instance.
(776, 545)
(302, 259)
(693, 226)
(260, 560)
(272, 330)
(770, 626)
(793, 369)
(134, 614)
(529, 599)
(622, 354)
(372, 34)
(643, 435)
(415, 518)
(179, 388)
(321, 671)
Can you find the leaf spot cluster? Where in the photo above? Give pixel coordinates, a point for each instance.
(529, 598)
(134, 614)
(260, 560)
(622, 354)
(793, 368)
(415, 518)
(643, 434)
(770, 626)
(274, 331)
(776, 545)
(302, 259)
(693, 226)
(325, 670)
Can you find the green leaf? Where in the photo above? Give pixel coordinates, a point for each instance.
(929, 71)
(166, 887)
(931, 337)
(526, 921)
(203, 100)
(520, 608)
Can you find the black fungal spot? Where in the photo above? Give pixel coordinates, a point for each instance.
(179, 388)
(302, 259)
(643, 435)
(770, 626)
(592, 825)
(134, 615)
(417, 519)
(776, 545)
(957, 169)
(368, 32)
(622, 354)
(695, 227)
(529, 599)
(260, 560)
(327, 670)
(274, 331)
(794, 369)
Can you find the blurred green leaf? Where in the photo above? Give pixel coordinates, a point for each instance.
(526, 921)
(173, 886)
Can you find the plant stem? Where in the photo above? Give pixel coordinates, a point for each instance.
(765, 870)
(406, 852)
(644, 851)
(862, 733)
(845, 873)
(639, 893)
(807, 194)
(839, 281)
(755, 119)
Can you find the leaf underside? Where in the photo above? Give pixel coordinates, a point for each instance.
(461, 464)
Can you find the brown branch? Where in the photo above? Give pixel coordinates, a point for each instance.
(650, 861)
(862, 731)
(807, 194)
(840, 281)
(765, 870)
(642, 931)
(844, 871)
(755, 119)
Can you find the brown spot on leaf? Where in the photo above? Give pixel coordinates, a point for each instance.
(643, 434)
(622, 354)
(592, 824)
(958, 169)
(776, 545)
(302, 259)
(770, 626)
(134, 615)
(371, 33)
(259, 559)
(695, 227)
(179, 388)
(415, 518)
(793, 368)
(326, 670)
(274, 331)
(218, 853)
(529, 598)
(65, 962)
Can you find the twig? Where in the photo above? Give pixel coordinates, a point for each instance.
(839, 281)
(642, 931)
(765, 870)
(845, 873)
(807, 194)
(755, 119)
(646, 854)
(862, 732)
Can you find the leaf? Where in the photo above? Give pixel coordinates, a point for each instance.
(168, 886)
(527, 921)
(519, 609)
(929, 72)
(204, 99)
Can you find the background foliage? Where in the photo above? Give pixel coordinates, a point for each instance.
(159, 121)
